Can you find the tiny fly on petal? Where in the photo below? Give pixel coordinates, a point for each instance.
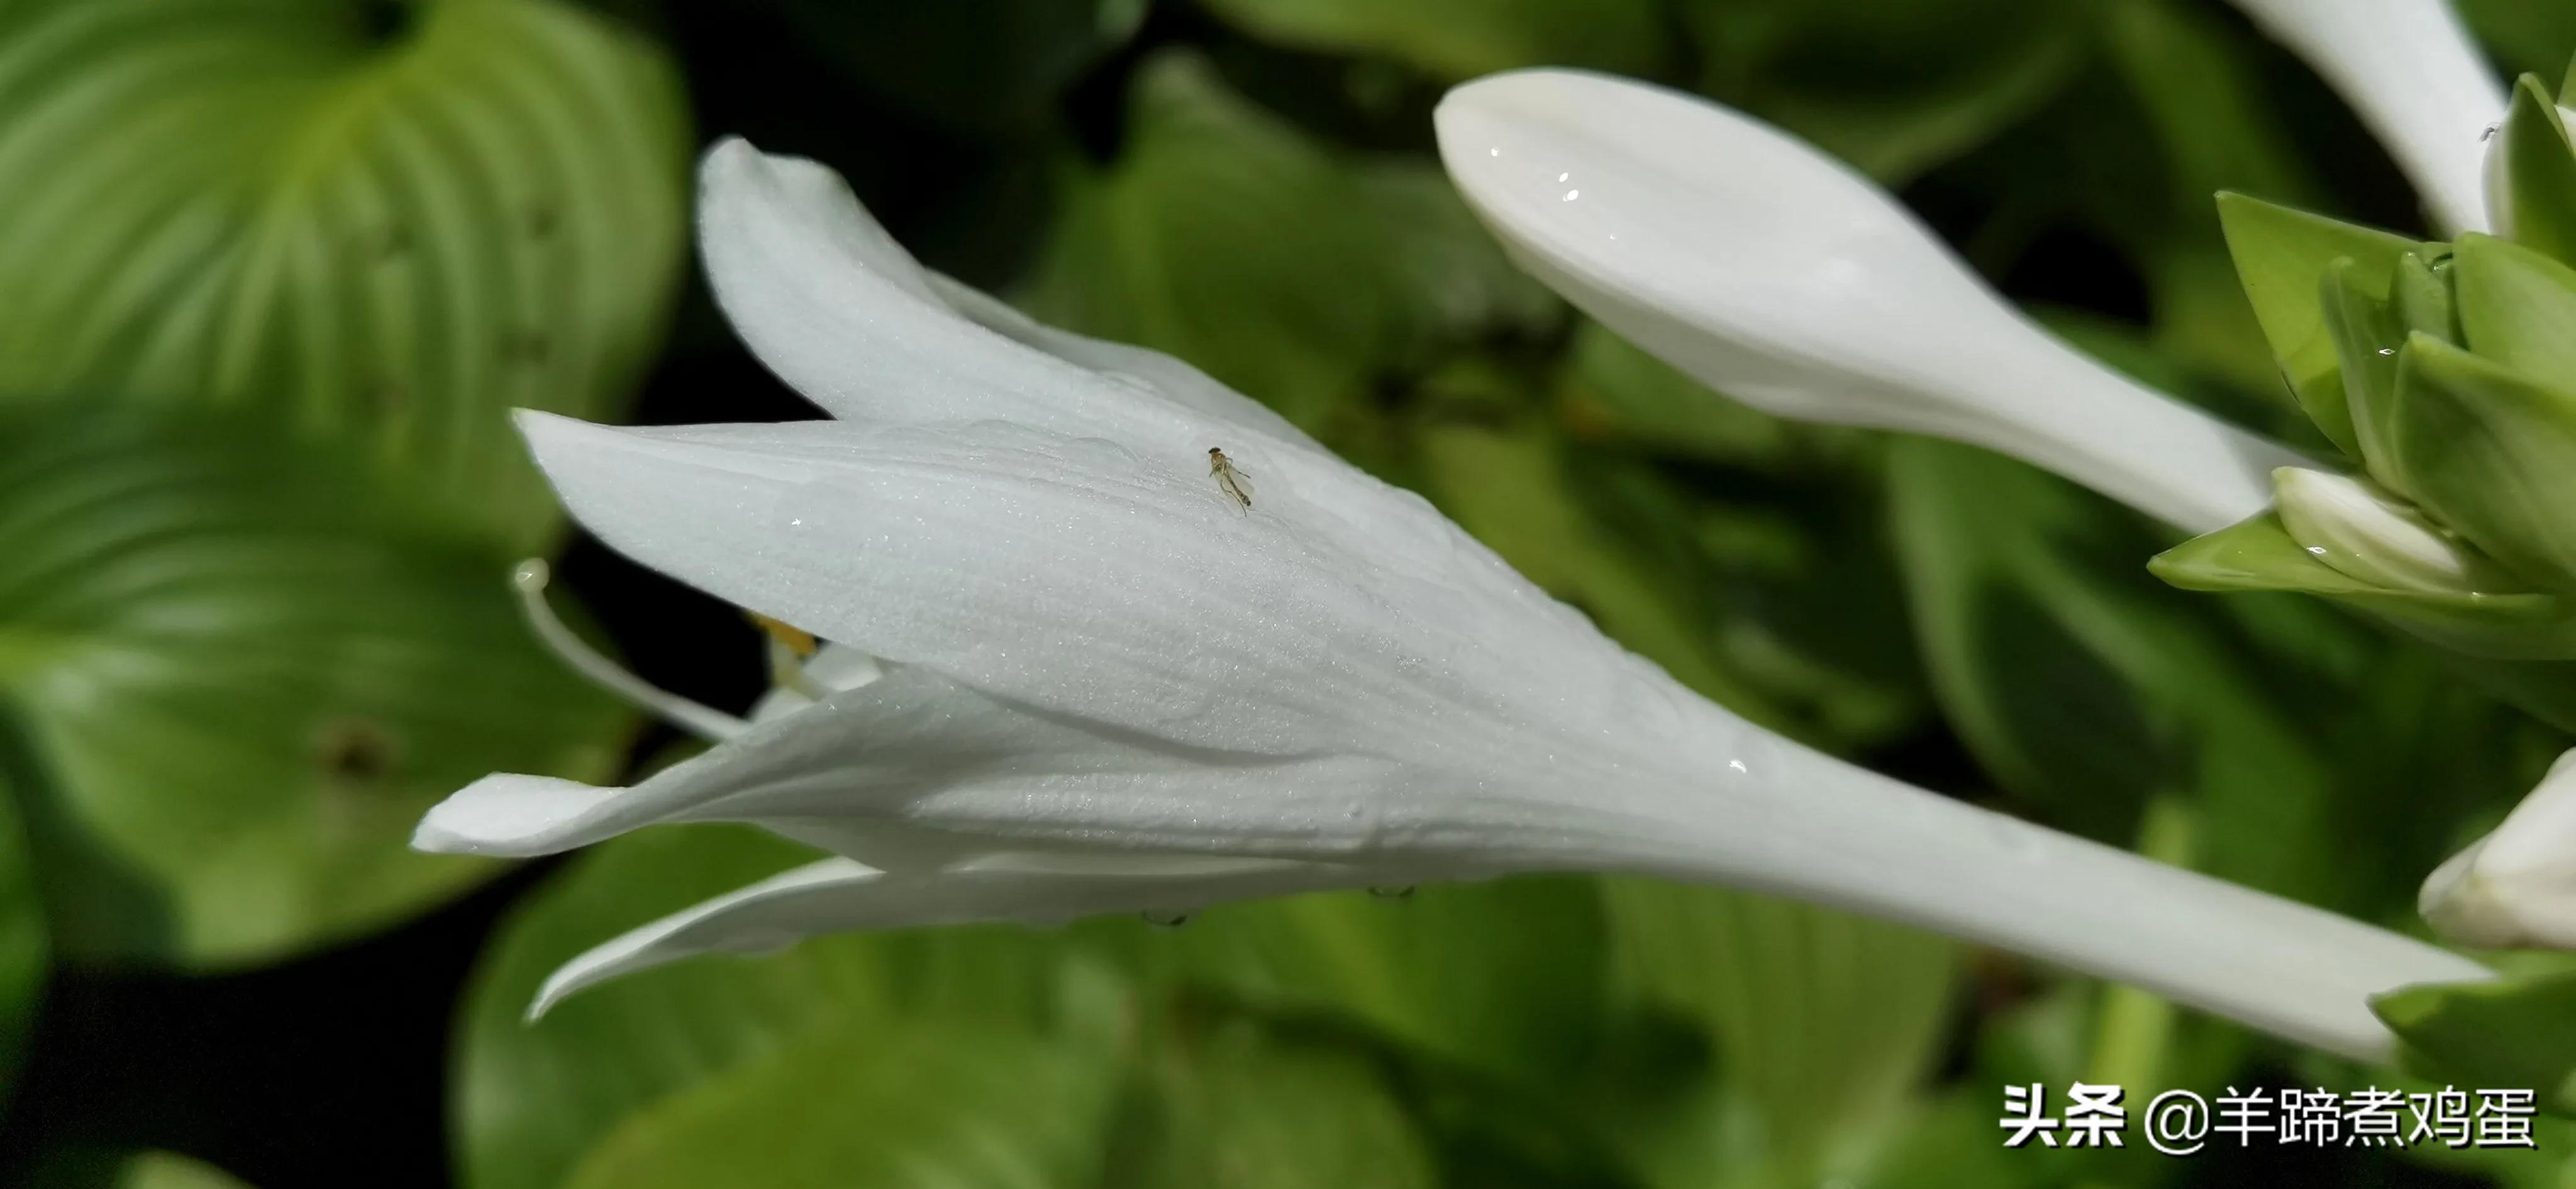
(1233, 482)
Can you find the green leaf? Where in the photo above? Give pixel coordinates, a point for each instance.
(2538, 204)
(2510, 1033)
(2491, 452)
(1823, 1023)
(1225, 237)
(867, 1107)
(380, 239)
(2517, 307)
(2082, 685)
(2529, 38)
(1238, 1112)
(1456, 40)
(2282, 256)
(533, 1099)
(1452, 282)
(233, 675)
(1507, 486)
(161, 1170)
(22, 942)
(82, 1168)
(1613, 389)
(1415, 965)
(2259, 554)
(2207, 98)
(1419, 970)
(1893, 88)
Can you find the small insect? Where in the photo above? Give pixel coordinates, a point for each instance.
(1236, 485)
(2489, 134)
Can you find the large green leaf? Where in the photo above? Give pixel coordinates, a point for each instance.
(1460, 39)
(870, 1107)
(381, 224)
(233, 674)
(1225, 237)
(2080, 683)
(1234, 1111)
(1426, 971)
(1823, 1023)
(22, 941)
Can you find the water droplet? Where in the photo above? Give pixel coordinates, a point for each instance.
(1571, 195)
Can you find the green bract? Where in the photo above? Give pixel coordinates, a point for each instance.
(2446, 375)
(2512, 1033)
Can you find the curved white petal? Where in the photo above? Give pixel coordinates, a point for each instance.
(1768, 270)
(839, 895)
(1116, 577)
(2516, 887)
(842, 313)
(2410, 70)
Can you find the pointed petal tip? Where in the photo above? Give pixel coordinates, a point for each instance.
(513, 816)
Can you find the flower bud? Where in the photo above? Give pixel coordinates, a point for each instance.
(2516, 887)
(2366, 534)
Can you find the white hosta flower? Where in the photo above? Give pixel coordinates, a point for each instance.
(2409, 69)
(2362, 531)
(1101, 685)
(2516, 887)
(1781, 277)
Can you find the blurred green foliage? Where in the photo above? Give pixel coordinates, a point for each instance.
(275, 270)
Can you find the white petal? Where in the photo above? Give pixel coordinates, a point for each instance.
(2409, 69)
(838, 895)
(843, 314)
(2356, 528)
(1338, 611)
(1770, 271)
(916, 771)
(2516, 887)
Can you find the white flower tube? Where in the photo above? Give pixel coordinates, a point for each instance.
(1102, 685)
(2409, 69)
(1777, 275)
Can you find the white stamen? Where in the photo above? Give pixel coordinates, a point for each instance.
(530, 578)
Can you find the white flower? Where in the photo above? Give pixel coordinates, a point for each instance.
(2411, 72)
(1100, 685)
(1779, 276)
(2516, 887)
